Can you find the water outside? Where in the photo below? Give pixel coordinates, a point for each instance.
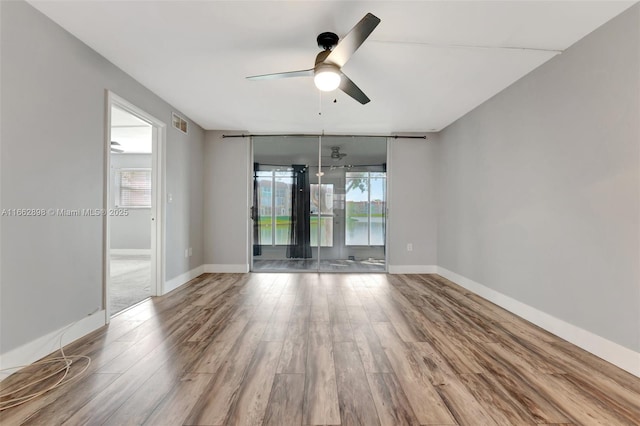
(357, 232)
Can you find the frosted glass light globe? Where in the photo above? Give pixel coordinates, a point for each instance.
(327, 80)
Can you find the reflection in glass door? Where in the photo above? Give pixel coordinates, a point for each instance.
(355, 167)
(282, 225)
(274, 199)
(319, 204)
(322, 212)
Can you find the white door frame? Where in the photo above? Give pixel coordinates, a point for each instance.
(158, 186)
(388, 204)
(250, 221)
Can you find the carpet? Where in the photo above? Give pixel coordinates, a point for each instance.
(130, 281)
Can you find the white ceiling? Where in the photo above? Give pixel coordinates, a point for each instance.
(195, 55)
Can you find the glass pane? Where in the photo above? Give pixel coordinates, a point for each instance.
(357, 209)
(282, 211)
(356, 174)
(359, 203)
(326, 231)
(278, 157)
(264, 212)
(377, 209)
(322, 201)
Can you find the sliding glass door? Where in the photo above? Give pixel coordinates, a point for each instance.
(354, 171)
(282, 230)
(319, 204)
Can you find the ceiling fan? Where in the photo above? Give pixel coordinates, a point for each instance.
(336, 154)
(327, 72)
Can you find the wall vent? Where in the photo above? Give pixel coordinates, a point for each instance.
(179, 123)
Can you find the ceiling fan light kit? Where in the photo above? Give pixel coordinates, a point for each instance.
(327, 71)
(327, 77)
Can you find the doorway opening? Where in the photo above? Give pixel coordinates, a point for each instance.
(319, 203)
(133, 254)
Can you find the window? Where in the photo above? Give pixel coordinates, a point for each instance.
(274, 201)
(365, 208)
(134, 188)
(322, 202)
(274, 213)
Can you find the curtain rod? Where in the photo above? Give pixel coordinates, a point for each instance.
(301, 135)
(344, 166)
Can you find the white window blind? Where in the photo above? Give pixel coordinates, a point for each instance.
(135, 188)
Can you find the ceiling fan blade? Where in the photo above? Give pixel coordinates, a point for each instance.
(350, 88)
(353, 40)
(117, 150)
(301, 73)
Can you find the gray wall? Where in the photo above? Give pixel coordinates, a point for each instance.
(539, 187)
(226, 199)
(412, 211)
(52, 133)
(132, 231)
(184, 216)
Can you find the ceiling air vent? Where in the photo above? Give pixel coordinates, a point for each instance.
(179, 123)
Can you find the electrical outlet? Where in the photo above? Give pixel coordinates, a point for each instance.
(409, 247)
(169, 198)
(186, 252)
(190, 252)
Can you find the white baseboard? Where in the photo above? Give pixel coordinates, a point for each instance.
(43, 346)
(130, 252)
(413, 269)
(612, 352)
(227, 268)
(182, 279)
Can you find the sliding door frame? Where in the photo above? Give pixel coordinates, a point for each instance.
(317, 268)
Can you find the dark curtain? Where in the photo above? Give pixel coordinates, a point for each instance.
(255, 212)
(300, 241)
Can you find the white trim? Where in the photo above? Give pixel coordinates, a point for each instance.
(250, 198)
(106, 200)
(612, 352)
(413, 269)
(388, 226)
(182, 279)
(130, 252)
(227, 268)
(45, 345)
(158, 225)
(249, 186)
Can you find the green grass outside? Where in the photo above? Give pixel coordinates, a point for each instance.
(280, 220)
(286, 220)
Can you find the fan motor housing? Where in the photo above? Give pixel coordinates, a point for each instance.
(327, 40)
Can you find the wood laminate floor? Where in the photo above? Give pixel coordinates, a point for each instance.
(328, 349)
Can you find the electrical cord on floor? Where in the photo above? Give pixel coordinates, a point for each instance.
(68, 361)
